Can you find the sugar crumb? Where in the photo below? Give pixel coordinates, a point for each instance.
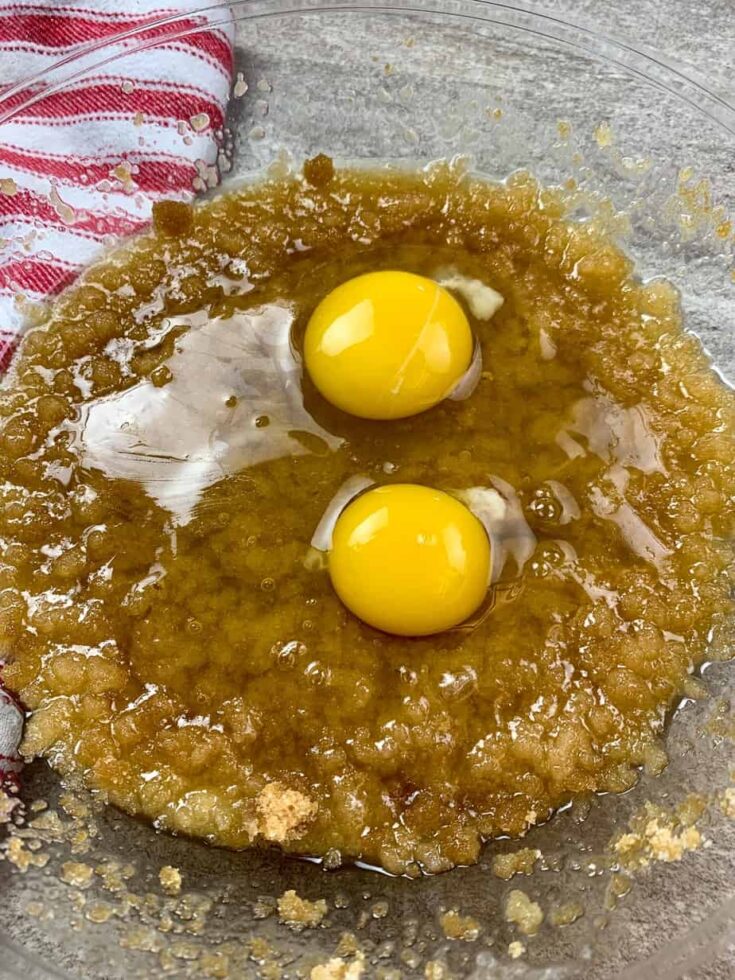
(99, 912)
(523, 912)
(604, 135)
(516, 949)
(170, 879)
(656, 835)
(7, 805)
(68, 215)
(566, 914)
(436, 970)
(76, 874)
(518, 863)
(199, 122)
(727, 802)
(348, 944)
(300, 913)
(283, 813)
(456, 926)
(123, 174)
(337, 969)
(21, 857)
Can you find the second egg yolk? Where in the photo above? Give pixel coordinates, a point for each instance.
(409, 559)
(387, 345)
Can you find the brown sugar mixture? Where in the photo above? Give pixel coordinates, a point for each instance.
(165, 464)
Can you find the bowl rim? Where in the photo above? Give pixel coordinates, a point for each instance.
(637, 60)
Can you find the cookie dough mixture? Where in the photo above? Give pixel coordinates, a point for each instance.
(164, 464)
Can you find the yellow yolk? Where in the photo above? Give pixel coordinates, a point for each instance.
(387, 345)
(409, 560)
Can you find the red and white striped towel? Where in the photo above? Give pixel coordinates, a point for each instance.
(84, 163)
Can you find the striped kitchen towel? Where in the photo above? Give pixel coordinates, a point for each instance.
(126, 106)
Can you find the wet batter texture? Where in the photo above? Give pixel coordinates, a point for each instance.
(164, 466)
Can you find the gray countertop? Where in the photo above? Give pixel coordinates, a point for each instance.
(698, 34)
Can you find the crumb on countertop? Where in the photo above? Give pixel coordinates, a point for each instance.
(658, 835)
(456, 926)
(170, 879)
(76, 874)
(604, 135)
(7, 805)
(523, 912)
(436, 970)
(348, 945)
(337, 969)
(619, 886)
(20, 856)
(566, 914)
(300, 913)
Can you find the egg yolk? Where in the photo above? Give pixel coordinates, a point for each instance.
(409, 560)
(387, 345)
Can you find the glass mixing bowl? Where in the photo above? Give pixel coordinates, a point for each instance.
(506, 88)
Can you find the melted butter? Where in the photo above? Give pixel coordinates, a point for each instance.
(234, 400)
(614, 433)
(626, 439)
(612, 506)
(176, 644)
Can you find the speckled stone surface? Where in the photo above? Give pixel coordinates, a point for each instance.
(698, 34)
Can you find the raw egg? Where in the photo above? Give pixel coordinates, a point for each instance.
(387, 345)
(409, 559)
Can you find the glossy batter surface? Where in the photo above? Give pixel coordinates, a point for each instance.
(164, 466)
